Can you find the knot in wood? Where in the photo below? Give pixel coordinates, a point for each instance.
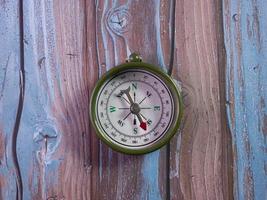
(47, 139)
(45, 133)
(118, 20)
(235, 17)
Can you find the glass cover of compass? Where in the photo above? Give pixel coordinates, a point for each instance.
(136, 107)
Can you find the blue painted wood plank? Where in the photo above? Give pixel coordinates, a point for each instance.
(10, 91)
(38, 135)
(245, 25)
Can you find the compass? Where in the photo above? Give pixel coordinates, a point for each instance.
(136, 107)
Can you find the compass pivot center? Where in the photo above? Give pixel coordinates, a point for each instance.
(135, 109)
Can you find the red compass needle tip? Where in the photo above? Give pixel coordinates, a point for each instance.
(143, 125)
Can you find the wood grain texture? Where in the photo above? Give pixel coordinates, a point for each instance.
(124, 27)
(11, 84)
(53, 52)
(200, 160)
(53, 147)
(58, 153)
(245, 28)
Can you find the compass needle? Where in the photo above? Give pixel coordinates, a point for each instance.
(142, 123)
(127, 92)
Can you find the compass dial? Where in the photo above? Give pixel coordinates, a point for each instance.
(134, 109)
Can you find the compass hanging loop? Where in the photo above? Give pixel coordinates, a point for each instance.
(134, 57)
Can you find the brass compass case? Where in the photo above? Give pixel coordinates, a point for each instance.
(135, 64)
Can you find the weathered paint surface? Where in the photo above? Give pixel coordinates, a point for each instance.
(10, 90)
(53, 154)
(53, 52)
(245, 25)
(122, 29)
(200, 159)
(37, 162)
(59, 156)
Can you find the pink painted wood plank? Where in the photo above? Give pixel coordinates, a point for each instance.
(200, 160)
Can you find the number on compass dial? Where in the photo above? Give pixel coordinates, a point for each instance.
(135, 108)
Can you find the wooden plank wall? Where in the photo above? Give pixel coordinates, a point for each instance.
(11, 91)
(245, 25)
(200, 163)
(53, 52)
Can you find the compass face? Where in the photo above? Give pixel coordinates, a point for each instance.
(134, 109)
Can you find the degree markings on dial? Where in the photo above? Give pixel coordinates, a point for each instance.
(154, 108)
